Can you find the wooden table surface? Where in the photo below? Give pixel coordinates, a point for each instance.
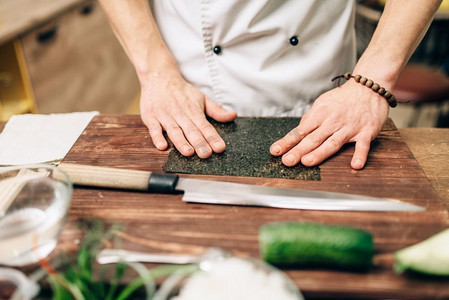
(163, 223)
(430, 146)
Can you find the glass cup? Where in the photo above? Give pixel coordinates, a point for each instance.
(34, 203)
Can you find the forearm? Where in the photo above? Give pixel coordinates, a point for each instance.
(400, 29)
(136, 29)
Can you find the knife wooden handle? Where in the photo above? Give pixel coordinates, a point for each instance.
(118, 178)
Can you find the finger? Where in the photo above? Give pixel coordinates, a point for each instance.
(329, 147)
(295, 136)
(211, 135)
(176, 135)
(196, 138)
(155, 130)
(208, 132)
(309, 143)
(217, 112)
(361, 151)
(286, 143)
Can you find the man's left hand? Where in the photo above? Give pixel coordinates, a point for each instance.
(349, 113)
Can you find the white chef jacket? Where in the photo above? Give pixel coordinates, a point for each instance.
(260, 57)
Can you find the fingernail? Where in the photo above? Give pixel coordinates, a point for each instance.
(358, 163)
(275, 149)
(218, 145)
(203, 150)
(187, 149)
(160, 145)
(308, 159)
(290, 159)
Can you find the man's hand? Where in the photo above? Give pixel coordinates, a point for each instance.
(169, 103)
(350, 113)
(353, 112)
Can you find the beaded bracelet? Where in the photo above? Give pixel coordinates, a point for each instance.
(391, 99)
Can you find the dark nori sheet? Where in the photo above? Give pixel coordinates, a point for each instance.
(248, 141)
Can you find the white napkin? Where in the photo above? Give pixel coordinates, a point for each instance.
(36, 138)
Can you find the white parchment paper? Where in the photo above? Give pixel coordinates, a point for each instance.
(38, 138)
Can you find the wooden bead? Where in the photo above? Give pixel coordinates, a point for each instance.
(375, 87)
(392, 101)
(387, 95)
(369, 83)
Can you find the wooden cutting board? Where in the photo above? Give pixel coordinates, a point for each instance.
(163, 223)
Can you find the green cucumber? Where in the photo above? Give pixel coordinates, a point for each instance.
(292, 244)
(430, 256)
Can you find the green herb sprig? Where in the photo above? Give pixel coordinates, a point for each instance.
(82, 278)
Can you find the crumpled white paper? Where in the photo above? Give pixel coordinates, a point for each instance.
(38, 138)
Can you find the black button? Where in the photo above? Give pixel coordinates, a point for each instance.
(294, 40)
(217, 50)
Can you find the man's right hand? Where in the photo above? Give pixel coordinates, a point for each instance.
(169, 103)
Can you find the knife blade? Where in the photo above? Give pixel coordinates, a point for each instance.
(218, 192)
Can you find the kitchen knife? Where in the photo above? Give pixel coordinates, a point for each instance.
(217, 192)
